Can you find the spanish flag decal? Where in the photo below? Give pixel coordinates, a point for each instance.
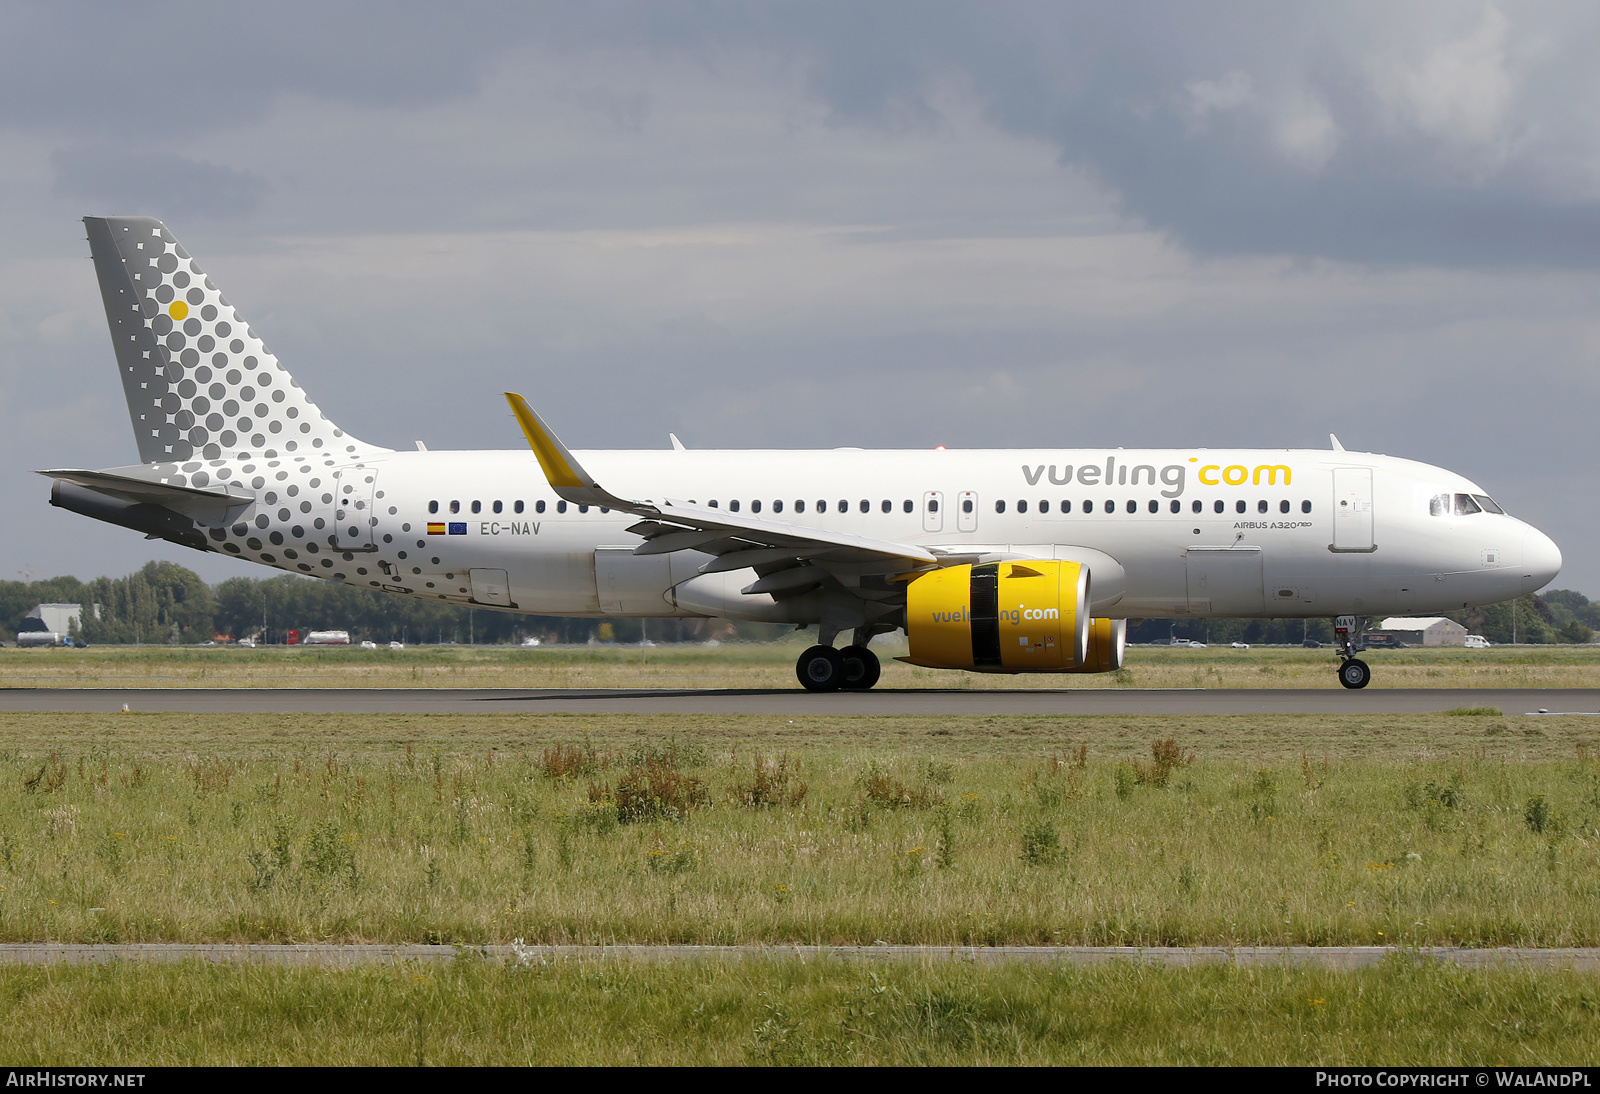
(435, 529)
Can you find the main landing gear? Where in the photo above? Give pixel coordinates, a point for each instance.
(823, 668)
(1348, 632)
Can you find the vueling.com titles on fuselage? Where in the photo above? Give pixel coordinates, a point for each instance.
(1173, 476)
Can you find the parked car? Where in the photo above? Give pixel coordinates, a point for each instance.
(1476, 642)
(1311, 644)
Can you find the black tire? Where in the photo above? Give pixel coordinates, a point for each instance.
(1354, 674)
(820, 668)
(861, 668)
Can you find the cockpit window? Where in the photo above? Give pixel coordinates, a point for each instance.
(1488, 504)
(1465, 506)
(1439, 505)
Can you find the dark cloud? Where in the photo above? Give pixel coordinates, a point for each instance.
(122, 181)
(1362, 132)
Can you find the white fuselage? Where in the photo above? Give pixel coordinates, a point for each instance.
(1194, 532)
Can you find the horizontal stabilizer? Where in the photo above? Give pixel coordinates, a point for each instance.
(210, 506)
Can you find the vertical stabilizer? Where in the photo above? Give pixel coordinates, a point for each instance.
(200, 384)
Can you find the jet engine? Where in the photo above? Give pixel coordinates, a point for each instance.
(1030, 616)
(1108, 641)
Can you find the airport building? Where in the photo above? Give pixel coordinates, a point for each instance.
(1431, 631)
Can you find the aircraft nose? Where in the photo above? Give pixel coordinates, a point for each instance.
(1541, 560)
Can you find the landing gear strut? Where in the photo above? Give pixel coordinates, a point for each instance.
(1348, 632)
(823, 668)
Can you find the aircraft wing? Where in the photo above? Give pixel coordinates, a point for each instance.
(209, 505)
(737, 541)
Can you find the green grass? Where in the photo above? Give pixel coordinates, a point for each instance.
(766, 665)
(784, 1012)
(1287, 830)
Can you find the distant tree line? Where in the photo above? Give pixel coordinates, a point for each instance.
(164, 603)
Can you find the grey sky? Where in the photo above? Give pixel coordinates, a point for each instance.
(793, 225)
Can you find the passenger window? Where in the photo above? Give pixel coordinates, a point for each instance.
(1465, 506)
(477, 507)
(455, 507)
(498, 506)
(1488, 504)
(1111, 506)
(1066, 507)
(1305, 507)
(733, 506)
(1197, 506)
(1088, 508)
(1155, 506)
(777, 507)
(712, 503)
(538, 506)
(517, 508)
(755, 506)
(822, 507)
(583, 508)
(1283, 506)
(933, 505)
(1238, 506)
(844, 506)
(1044, 507)
(908, 506)
(888, 506)
(1177, 506)
(1439, 505)
(999, 507)
(1261, 506)
(1022, 506)
(866, 506)
(561, 507)
(799, 505)
(1218, 506)
(1133, 506)
(433, 507)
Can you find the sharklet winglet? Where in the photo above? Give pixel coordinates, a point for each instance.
(567, 477)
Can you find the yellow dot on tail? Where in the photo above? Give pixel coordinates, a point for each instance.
(178, 310)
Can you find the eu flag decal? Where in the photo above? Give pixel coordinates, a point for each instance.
(458, 528)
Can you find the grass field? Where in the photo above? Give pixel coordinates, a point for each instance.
(765, 665)
(782, 1012)
(1476, 830)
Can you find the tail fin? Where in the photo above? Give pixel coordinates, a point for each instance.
(200, 384)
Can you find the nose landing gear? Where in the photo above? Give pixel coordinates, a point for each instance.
(1348, 632)
(1354, 673)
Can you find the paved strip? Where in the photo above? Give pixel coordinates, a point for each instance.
(1334, 700)
(1328, 957)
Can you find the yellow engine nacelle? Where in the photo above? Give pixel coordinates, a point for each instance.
(1028, 616)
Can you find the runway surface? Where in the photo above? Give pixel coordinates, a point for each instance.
(795, 701)
(1328, 957)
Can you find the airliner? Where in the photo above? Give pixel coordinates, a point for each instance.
(1004, 561)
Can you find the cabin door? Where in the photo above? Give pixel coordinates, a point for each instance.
(1352, 509)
